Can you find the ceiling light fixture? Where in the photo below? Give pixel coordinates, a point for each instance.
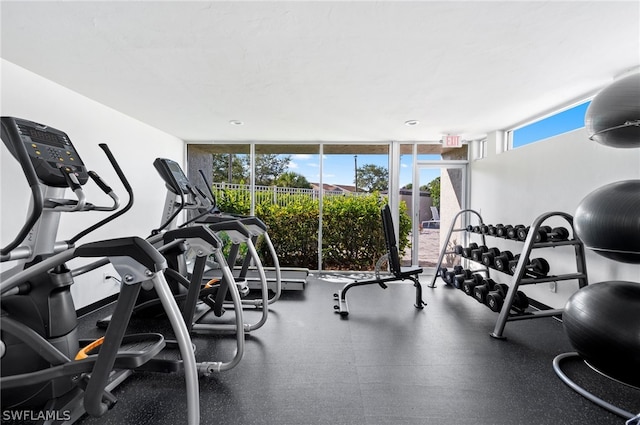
(236, 122)
(411, 123)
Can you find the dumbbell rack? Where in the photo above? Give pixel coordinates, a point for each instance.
(444, 251)
(519, 276)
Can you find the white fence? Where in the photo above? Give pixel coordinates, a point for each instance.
(275, 193)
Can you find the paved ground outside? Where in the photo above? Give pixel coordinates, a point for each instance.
(429, 250)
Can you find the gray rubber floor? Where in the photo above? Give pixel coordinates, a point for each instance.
(388, 363)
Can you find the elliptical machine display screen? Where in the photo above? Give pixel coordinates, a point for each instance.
(173, 176)
(50, 150)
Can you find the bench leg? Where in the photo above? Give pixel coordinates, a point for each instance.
(419, 302)
(342, 308)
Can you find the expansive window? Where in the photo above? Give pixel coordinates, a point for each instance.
(553, 125)
(323, 199)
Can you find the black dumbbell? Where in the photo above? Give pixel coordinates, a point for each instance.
(484, 229)
(501, 262)
(536, 267)
(480, 291)
(546, 233)
(520, 301)
(442, 271)
(489, 256)
(495, 298)
(503, 231)
(473, 229)
(493, 230)
(476, 254)
(513, 263)
(466, 251)
(523, 232)
(456, 271)
(448, 276)
(512, 233)
(468, 285)
(458, 249)
(460, 277)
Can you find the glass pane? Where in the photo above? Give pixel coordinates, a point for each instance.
(284, 197)
(562, 122)
(227, 163)
(406, 196)
(354, 177)
(429, 237)
(287, 200)
(425, 152)
(445, 186)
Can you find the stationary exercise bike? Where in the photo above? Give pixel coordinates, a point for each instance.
(47, 372)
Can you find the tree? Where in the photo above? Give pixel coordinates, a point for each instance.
(409, 186)
(239, 168)
(434, 188)
(269, 167)
(292, 179)
(372, 177)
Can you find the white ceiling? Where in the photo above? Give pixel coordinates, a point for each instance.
(326, 71)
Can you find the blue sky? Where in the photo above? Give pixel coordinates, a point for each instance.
(558, 123)
(340, 169)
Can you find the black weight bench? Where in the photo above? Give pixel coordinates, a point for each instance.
(396, 272)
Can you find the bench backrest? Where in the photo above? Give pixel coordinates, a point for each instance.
(390, 240)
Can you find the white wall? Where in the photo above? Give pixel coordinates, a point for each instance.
(517, 186)
(88, 123)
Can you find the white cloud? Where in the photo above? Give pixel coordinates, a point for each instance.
(293, 165)
(302, 156)
(311, 164)
(404, 165)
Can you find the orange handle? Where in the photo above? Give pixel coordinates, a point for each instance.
(84, 353)
(211, 283)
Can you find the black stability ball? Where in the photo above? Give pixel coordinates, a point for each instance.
(602, 322)
(608, 221)
(610, 109)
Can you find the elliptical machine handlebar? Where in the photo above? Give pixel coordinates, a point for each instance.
(47, 157)
(106, 189)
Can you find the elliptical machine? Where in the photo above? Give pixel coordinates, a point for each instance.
(183, 195)
(208, 212)
(48, 373)
(199, 243)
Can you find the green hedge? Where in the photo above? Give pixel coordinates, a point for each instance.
(352, 235)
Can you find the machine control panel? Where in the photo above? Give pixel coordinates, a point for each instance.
(173, 176)
(50, 150)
